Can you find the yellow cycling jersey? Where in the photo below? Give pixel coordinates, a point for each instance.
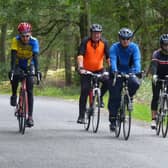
(24, 51)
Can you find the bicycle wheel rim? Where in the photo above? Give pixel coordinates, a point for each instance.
(96, 112)
(87, 115)
(126, 120)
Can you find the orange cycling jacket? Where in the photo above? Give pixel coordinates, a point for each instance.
(93, 55)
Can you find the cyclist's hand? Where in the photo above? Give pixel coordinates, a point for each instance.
(81, 70)
(154, 78)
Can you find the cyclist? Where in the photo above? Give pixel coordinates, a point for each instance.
(24, 52)
(125, 57)
(90, 57)
(159, 68)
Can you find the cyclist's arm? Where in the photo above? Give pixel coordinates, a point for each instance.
(80, 61)
(35, 50)
(137, 60)
(35, 58)
(81, 52)
(106, 51)
(113, 58)
(154, 64)
(13, 59)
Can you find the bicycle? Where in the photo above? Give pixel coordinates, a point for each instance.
(162, 114)
(21, 110)
(125, 109)
(93, 101)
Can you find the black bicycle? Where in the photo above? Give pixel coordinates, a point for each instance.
(93, 101)
(162, 114)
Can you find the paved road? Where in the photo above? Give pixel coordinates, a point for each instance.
(57, 141)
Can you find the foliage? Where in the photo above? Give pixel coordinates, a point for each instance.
(60, 24)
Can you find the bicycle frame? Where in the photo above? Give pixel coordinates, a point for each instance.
(93, 111)
(124, 112)
(23, 88)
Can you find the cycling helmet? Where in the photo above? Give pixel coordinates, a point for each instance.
(125, 33)
(164, 39)
(96, 28)
(24, 27)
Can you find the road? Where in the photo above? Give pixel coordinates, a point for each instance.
(57, 141)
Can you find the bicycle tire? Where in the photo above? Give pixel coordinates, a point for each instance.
(24, 112)
(96, 112)
(164, 119)
(87, 116)
(126, 119)
(19, 112)
(118, 123)
(158, 122)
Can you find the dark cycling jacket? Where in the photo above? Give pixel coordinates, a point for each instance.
(93, 56)
(159, 64)
(126, 60)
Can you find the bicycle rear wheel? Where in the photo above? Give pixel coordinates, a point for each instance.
(126, 118)
(88, 113)
(96, 112)
(165, 119)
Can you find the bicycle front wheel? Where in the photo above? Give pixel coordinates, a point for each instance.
(23, 112)
(165, 119)
(118, 123)
(88, 113)
(126, 118)
(158, 120)
(96, 112)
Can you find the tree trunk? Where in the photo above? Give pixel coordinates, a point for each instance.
(67, 55)
(3, 43)
(84, 18)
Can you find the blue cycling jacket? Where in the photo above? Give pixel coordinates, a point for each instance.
(125, 60)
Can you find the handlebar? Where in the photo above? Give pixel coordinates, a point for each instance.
(23, 75)
(127, 75)
(98, 75)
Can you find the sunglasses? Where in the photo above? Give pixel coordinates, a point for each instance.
(23, 36)
(125, 38)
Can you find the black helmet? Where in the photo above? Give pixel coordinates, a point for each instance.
(125, 33)
(164, 39)
(96, 28)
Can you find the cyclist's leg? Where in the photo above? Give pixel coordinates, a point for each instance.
(114, 101)
(30, 100)
(154, 103)
(85, 87)
(104, 89)
(133, 85)
(14, 86)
